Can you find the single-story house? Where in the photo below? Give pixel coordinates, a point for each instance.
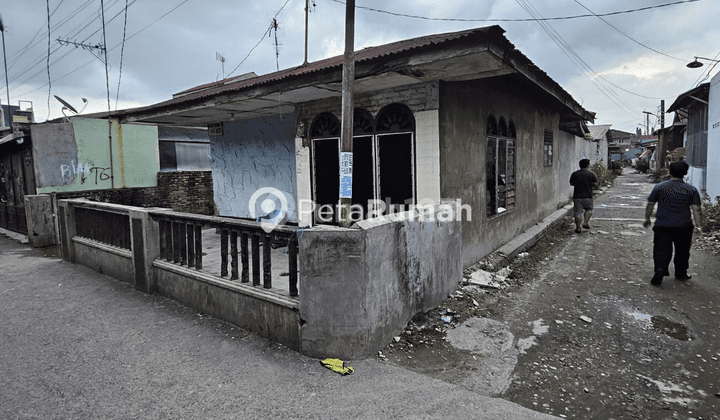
(461, 116)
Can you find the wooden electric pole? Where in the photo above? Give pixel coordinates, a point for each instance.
(346, 135)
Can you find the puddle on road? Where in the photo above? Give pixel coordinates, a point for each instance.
(665, 326)
(671, 329)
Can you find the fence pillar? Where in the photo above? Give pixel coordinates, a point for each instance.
(145, 239)
(66, 222)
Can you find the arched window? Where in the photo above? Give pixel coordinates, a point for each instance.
(502, 127)
(325, 125)
(499, 166)
(395, 117)
(363, 122)
(491, 125)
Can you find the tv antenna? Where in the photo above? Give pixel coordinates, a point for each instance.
(221, 59)
(274, 26)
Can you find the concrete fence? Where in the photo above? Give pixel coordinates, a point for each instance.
(358, 287)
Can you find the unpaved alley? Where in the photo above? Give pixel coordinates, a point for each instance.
(581, 333)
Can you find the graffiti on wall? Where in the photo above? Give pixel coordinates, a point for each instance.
(87, 172)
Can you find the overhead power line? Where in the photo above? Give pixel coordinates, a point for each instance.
(518, 20)
(267, 32)
(628, 36)
(111, 49)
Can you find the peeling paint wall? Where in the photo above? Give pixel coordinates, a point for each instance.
(252, 155)
(464, 108)
(75, 156)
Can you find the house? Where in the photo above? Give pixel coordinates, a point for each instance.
(692, 107)
(460, 116)
(600, 134)
(619, 144)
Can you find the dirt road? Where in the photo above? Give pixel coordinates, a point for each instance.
(578, 332)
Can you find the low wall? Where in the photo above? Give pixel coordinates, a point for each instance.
(359, 287)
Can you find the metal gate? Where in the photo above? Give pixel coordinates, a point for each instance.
(17, 179)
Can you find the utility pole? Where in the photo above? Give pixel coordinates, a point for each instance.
(348, 106)
(7, 84)
(307, 12)
(647, 122)
(662, 113)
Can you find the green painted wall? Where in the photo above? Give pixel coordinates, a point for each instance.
(76, 157)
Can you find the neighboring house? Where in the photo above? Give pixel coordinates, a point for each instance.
(17, 177)
(456, 116)
(600, 135)
(6, 112)
(619, 144)
(76, 155)
(713, 145)
(693, 105)
(70, 157)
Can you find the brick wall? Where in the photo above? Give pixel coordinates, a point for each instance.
(184, 191)
(187, 191)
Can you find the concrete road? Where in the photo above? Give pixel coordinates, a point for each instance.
(75, 344)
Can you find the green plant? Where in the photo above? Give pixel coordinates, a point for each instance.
(605, 176)
(711, 214)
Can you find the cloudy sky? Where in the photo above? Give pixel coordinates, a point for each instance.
(619, 63)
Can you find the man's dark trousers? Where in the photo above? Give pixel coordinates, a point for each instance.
(663, 241)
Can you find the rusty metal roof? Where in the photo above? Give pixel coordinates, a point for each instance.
(214, 88)
(491, 36)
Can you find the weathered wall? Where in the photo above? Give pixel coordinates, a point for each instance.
(713, 148)
(76, 157)
(40, 222)
(464, 107)
(136, 157)
(250, 155)
(359, 287)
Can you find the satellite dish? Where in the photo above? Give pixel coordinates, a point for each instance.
(67, 105)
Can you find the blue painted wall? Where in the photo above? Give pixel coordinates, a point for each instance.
(250, 155)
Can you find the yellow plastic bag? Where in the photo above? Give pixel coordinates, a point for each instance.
(338, 366)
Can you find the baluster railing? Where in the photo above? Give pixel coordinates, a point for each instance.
(181, 243)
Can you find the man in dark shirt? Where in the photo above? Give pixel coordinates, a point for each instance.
(584, 181)
(677, 201)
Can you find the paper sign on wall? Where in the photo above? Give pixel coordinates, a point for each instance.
(346, 164)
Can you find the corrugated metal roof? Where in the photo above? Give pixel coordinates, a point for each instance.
(702, 91)
(491, 35)
(215, 88)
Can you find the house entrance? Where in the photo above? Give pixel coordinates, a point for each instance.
(383, 161)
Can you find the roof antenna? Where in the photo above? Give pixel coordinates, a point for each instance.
(221, 59)
(274, 25)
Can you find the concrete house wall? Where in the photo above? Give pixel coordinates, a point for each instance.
(75, 156)
(464, 108)
(251, 155)
(713, 145)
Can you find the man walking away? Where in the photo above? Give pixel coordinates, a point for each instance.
(676, 200)
(584, 181)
